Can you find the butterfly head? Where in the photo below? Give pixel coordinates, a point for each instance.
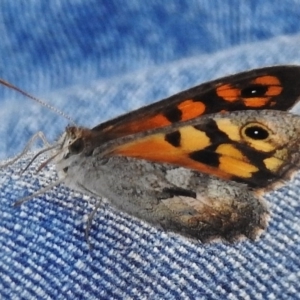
(75, 142)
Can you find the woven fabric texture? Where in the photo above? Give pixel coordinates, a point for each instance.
(95, 60)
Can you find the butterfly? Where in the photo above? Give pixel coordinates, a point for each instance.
(197, 163)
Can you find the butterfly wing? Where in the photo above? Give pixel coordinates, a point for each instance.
(258, 148)
(276, 88)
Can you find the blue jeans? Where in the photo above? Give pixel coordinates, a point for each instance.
(95, 61)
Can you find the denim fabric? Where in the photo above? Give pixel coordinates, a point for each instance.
(95, 60)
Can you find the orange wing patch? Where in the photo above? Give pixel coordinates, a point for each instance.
(185, 110)
(191, 109)
(137, 125)
(228, 92)
(265, 87)
(155, 148)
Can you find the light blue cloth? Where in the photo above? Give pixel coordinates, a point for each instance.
(95, 60)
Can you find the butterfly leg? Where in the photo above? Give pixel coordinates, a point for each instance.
(39, 135)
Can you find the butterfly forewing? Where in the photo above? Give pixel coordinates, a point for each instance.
(252, 147)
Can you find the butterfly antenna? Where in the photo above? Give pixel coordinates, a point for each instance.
(55, 110)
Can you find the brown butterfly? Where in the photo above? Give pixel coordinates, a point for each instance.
(195, 163)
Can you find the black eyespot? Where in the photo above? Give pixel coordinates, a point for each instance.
(256, 132)
(77, 146)
(254, 90)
